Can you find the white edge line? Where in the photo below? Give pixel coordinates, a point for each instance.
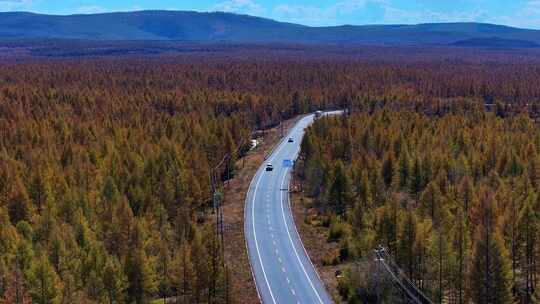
(294, 220)
(292, 243)
(302, 243)
(245, 236)
(296, 154)
(260, 172)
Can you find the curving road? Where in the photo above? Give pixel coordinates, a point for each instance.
(281, 267)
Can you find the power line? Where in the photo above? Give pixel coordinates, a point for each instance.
(398, 276)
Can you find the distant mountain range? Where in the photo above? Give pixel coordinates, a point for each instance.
(226, 27)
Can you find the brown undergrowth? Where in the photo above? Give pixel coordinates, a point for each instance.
(315, 239)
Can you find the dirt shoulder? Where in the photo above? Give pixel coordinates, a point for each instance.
(243, 288)
(314, 237)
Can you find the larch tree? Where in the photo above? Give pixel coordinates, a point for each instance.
(340, 195)
(45, 286)
(528, 225)
(490, 274)
(138, 269)
(114, 281)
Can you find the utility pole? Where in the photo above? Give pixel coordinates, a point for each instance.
(281, 122)
(227, 300)
(219, 199)
(228, 157)
(217, 202)
(440, 266)
(244, 160)
(212, 294)
(378, 275)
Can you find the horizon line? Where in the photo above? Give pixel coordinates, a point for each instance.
(261, 17)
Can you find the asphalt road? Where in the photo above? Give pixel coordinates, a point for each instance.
(281, 267)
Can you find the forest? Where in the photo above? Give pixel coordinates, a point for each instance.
(106, 167)
(454, 197)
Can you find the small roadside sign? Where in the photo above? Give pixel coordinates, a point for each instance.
(287, 163)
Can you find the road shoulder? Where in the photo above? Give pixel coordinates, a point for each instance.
(243, 288)
(314, 237)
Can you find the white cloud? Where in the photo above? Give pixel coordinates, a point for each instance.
(12, 5)
(239, 6)
(400, 16)
(527, 16)
(301, 14)
(93, 9)
(358, 12)
(345, 11)
(96, 9)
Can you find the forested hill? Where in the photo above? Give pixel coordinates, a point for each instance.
(226, 27)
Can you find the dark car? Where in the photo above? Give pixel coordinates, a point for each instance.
(291, 140)
(269, 167)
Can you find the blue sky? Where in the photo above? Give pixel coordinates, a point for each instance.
(522, 13)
